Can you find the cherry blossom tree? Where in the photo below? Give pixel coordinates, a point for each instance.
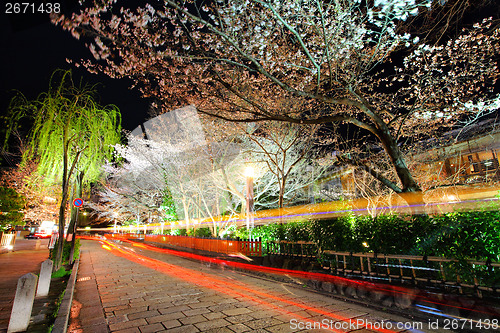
(155, 168)
(339, 59)
(125, 197)
(41, 198)
(284, 154)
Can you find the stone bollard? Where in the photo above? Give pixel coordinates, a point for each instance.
(23, 303)
(44, 280)
(37, 245)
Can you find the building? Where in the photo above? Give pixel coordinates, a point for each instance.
(464, 156)
(461, 157)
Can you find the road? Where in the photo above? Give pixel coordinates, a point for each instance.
(126, 288)
(24, 259)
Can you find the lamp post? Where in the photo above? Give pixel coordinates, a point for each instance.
(115, 215)
(310, 187)
(249, 174)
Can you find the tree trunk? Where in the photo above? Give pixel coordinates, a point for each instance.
(62, 207)
(281, 192)
(60, 240)
(186, 212)
(410, 191)
(390, 145)
(74, 215)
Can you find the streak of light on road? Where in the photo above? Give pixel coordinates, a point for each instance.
(368, 286)
(231, 287)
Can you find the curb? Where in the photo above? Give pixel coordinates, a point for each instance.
(61, 323)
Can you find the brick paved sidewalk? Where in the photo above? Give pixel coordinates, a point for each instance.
(24, 259)
(122, 294)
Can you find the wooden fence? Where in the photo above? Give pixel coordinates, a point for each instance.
(292, 249)
(7, 240)
(227, 246)
(449, 273)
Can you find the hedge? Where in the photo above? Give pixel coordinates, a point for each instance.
(460, 235)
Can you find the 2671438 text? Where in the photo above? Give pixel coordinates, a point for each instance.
(32, 8)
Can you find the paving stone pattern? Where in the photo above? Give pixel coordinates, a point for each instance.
(114, 294)
(24, 259)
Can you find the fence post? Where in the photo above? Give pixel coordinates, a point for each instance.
(44, 281)
(23, 303)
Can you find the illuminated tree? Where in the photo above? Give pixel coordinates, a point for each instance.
(131, 189)
(231, 59)
(156, 170)
(287, 164)
(207, 181)
(70, 134)
(11, 205)
(41, 197)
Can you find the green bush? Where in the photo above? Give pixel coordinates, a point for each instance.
(471, 235)
(61, 272)
(336, 234)
(202, 232)
(66, 251)
(391, 234)
(460, 235)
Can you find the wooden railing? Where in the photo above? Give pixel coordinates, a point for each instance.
(7, 240)
(227, 246)
(292, 249)
(478, 275)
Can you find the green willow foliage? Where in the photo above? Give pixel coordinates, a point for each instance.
(71, 136)
(67, 115)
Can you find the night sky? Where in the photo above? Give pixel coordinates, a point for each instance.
(32, 48)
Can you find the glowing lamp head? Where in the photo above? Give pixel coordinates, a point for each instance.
(249, 172)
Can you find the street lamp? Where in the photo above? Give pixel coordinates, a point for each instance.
(249, 174)
(115, 215)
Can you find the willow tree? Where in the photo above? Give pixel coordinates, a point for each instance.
(71, 137)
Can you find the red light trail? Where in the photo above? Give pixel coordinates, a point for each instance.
(240, 290)
(368, 286)
(228, 287)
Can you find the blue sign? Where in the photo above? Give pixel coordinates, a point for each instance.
(78, 202)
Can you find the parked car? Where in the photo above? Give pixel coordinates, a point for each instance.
(43, 235)
(37, 235)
